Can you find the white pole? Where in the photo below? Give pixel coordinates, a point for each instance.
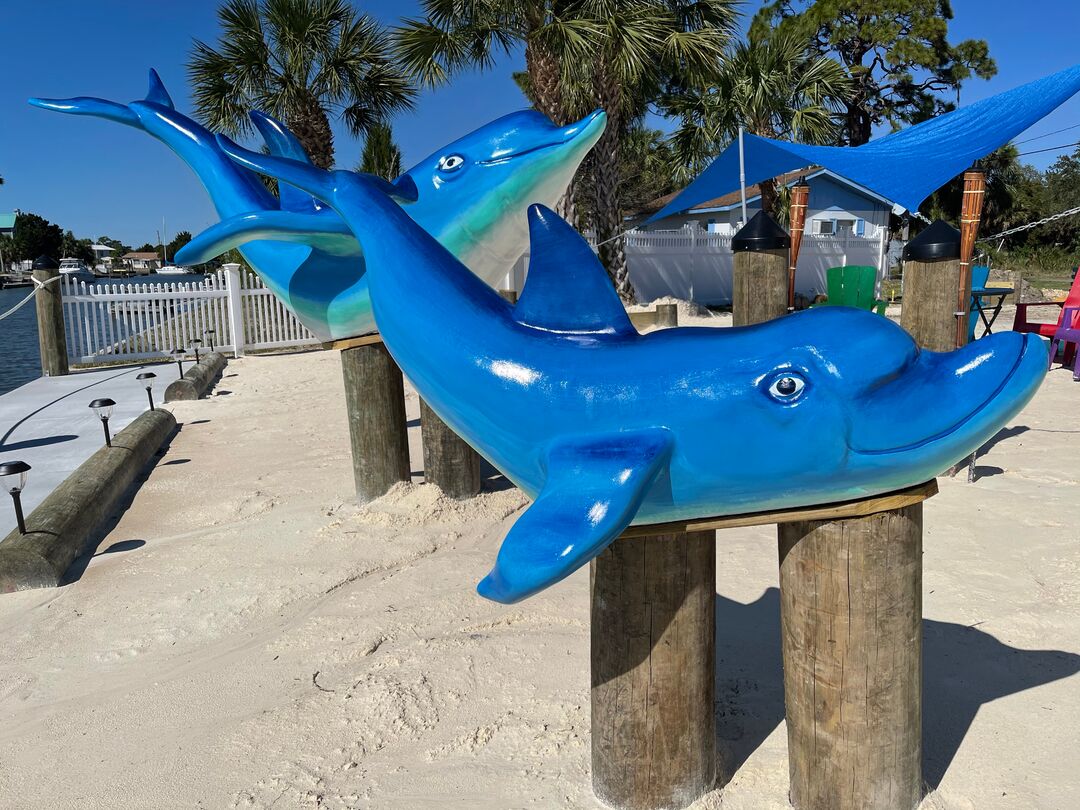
(742, 175)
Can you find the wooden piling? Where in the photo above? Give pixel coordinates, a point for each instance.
(851, 629)
(375, 401)
(667, 316)
(932, 279)
(760, 271)
(52, 342)
(449, 462)
(653, 670)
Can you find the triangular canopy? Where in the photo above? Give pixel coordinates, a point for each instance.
(905, 167)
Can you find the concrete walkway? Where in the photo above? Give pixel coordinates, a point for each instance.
(48, 424)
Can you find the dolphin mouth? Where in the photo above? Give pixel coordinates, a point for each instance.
(992, 379)
(587, 131)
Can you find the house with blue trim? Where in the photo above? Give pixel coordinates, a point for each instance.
(837, 207)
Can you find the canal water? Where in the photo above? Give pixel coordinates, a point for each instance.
(19, 359)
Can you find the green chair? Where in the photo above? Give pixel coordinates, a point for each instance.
(853, 286)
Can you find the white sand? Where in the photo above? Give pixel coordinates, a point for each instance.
(182, 672)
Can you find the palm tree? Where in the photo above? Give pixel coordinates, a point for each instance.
(302, 61)
(381, 155)
(579, 55)
(774, 87)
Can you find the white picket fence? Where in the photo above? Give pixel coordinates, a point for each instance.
(696, 265)
(138, 321)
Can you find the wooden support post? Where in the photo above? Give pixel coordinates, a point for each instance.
(375, 400)
(449, 463)
(800, 198)
(667, 315)
(653, 670)
(931, 281)
(851, 629)
(52, 342)
(760, 271)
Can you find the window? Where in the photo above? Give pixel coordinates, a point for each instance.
(826, 227)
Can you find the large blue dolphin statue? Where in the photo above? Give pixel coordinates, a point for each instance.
(470, 197)
(604, 427)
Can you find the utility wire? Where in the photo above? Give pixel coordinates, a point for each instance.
(1046, 135)
(1050, 149)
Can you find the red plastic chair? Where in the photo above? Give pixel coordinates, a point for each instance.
(1070, 305)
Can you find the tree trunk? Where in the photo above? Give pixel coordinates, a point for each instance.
(606, 180)
(312, 128)
(770, 197)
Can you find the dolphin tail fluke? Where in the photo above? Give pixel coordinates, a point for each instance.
(96, 107)
(328, 234)
(317, 182)
(157, 92)
(594, 488)
(281, 142)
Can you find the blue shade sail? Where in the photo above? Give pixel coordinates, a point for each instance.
(905, 167)
(603, 427)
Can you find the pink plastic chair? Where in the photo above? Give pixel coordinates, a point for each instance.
(1068, 331)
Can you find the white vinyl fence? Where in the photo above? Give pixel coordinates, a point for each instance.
(137, 321)
(696, 265)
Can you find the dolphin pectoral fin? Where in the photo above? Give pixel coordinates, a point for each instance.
(562, 260)
(326, 233)
(593, 490)
(157, 92)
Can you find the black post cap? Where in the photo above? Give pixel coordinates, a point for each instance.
(760, 233)
(45, 263)
(939, 241)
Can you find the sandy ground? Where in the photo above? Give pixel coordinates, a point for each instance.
(247, 637)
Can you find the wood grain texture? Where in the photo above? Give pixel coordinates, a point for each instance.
(52, 342)
(759, 286)
(851, 629)
(375, 402)
(827, 511)
(928, 310)
(653, 671)
(449, 462)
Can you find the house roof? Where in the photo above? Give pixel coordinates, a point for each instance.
(143, 255)
(7, 222)
(734, 199)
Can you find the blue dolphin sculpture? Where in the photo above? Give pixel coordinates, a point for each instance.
(468, 195)
(604, 427)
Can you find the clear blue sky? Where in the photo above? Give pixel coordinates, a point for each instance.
(96, 177)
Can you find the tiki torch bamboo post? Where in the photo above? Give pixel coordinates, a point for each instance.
(970, 215)
(800, 196)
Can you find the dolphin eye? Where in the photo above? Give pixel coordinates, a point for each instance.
(449, 163)
(786, 387)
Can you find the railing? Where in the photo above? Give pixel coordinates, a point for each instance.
(138, 321)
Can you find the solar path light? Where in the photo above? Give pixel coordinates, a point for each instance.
(13, 479)
(195, 344)
(179, 355)
(103, 408)
(147, 378)
(210, 339)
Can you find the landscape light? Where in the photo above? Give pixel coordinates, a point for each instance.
(195, 344)
(13, 479)
(103, 408)
(148, 381)
(179, 355)
(210, 340)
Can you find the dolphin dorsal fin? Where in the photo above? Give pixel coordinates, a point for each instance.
(157, 92)
(567, 289)
(282, 143)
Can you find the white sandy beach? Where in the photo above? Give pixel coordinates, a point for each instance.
(247, 637)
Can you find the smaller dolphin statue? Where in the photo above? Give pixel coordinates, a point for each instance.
(469, 195)
(604, 427)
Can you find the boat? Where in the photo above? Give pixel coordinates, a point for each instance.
(76, 270)
(174, 270)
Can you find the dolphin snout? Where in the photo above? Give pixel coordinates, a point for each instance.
(946, 404)
(592, 126)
